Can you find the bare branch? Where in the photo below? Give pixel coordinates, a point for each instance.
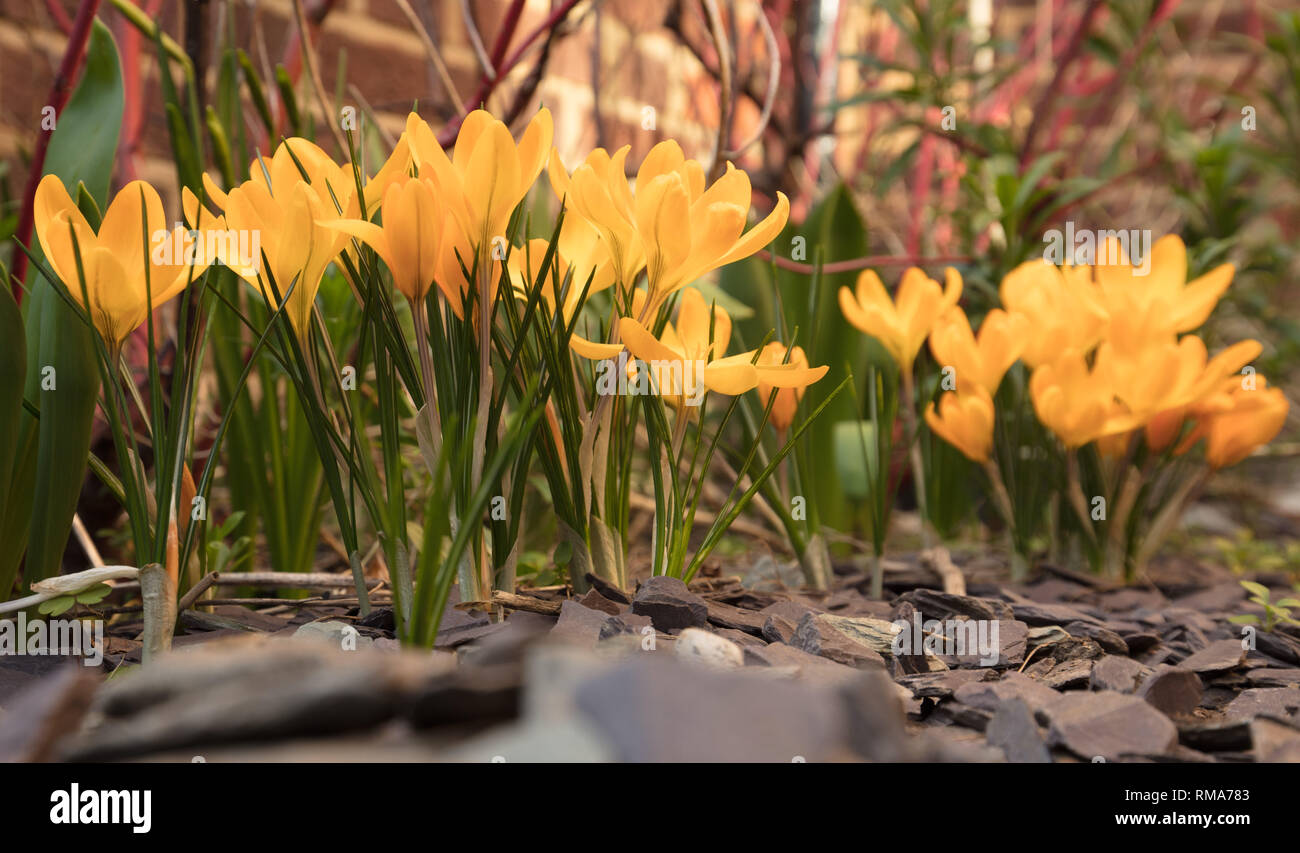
(773, 83)
(476, 40)
(724, 80)
(444, 73)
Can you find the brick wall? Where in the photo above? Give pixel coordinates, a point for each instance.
(641, 66)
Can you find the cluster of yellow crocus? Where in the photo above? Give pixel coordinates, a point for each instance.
(675, 229)
(429, 216)
(1110, 352)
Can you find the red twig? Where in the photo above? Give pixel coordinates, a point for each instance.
(861, 263)
(503, 66)
(58, 98)
(60, 17)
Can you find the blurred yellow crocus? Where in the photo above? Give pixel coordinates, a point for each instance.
(1166, 374)
(131, 264)
(1163, 293)
(1075, 402)
(983, 359)
(1242, 415)
(965, 420)
(1061, 306)
(789, 395)
(900, 325)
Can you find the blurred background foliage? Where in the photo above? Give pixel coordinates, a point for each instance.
(928, 132)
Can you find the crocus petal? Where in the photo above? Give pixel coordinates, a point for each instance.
(644, 345)
(1198, 298)
(732, 376)
(593, 350)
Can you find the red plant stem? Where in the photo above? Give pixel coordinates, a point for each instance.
(504, 66)
(860, 263)
(60, 17)
(1067, 59)
(921, 177)
(58, 98)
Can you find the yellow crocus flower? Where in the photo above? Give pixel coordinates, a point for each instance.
(290, 215)
(479, 186)
(673, 224)
(964, 420)
(787, 396)
(1237, 420)
(902, 325)
(1075, 402)
(1163, 294)
(687, 351)
(1163, 375)
(1062, 308)
(525, 265)
(115, 260)
(410, 238)
(983, 359)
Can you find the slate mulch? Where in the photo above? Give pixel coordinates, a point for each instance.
(740, 668)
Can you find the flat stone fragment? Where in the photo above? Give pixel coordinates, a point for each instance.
(1013, 730)
(669, 604)
(1117, 673)
(1274, 741)
(1225, 596)
(235, 691)
(1109, 640)
(1218, 736)
(740, 638)
(778, 629)
(933, 604)
(729, 616)
(818, 636)
(941, 685)
(781, 619)
(875, 719)
(806, 668)
(1218, 656)
(989, 695)
(1274, 677)
(1109, 725)
(1174, 690)
(1032, 613)
(1278, 646)
(1271, 701)
(579, 624)
(876, 634)
(1070, 673)
(466, 696)
(596, 601)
